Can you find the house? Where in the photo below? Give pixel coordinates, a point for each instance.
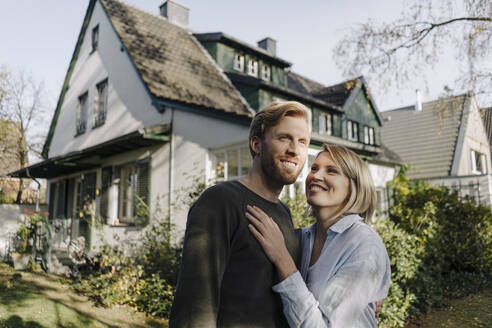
(148, 107)
(445, 143)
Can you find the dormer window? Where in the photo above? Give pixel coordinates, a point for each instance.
(239, 63)
(352, 131)
(95, 38)
(325, 124)
(252, 67)
(368, 135)
(265, 72)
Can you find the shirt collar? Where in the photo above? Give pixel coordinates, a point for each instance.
(340, 226)
(345, 223)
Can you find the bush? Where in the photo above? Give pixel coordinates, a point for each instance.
(439, 246)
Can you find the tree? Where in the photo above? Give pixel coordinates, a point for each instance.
(395, 53)
(23, 117)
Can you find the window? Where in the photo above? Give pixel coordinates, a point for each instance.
(368, 135)
(252, 67)
(58, 199)
(233, 163)
(265, 72)
(133, 191)
(325, 124)
(106, 179)
(352, 131)
(239, 62)
(81, 114)
(102, 103)
(95, 38)
(478, 162)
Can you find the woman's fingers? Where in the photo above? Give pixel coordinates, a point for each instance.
(257, 213)
(255, 222)
(256, 233)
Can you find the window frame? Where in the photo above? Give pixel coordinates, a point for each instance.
(101, 108)
(127, 193)
(238, 63)
(253, 67)
(265, 72)
(369, 135)
(81, 116)
(478, 157)
(352, 130)
(327, 126)
(224, 154)
(95, 38)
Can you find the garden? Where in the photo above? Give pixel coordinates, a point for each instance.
(439, 244)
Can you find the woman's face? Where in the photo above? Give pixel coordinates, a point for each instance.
(326, 185)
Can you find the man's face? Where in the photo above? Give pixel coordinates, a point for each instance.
(284, 150)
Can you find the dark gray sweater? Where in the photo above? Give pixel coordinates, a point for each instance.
(225, 278)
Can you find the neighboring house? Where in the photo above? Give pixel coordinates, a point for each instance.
(444, 143)
(147, 107)
(486, 114)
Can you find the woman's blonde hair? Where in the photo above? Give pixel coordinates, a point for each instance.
(361, 199)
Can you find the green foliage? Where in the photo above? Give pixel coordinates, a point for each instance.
(439, 246)
(142, 274)
(25, 232)
(299, 209)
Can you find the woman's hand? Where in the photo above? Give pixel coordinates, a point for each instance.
(271, 239)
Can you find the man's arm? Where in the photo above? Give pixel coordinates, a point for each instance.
(205, 252)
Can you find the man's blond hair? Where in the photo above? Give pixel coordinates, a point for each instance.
(272, 114)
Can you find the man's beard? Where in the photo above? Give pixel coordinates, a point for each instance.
(276, 174)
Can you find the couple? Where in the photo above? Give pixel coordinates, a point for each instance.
(244, 265)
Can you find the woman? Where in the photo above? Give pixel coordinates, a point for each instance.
(345, 268)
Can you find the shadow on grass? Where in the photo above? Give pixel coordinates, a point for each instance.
(15, 321)
(14, 291)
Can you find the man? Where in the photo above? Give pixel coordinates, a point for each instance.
(225, 278)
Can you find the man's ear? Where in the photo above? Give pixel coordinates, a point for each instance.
(255, 143)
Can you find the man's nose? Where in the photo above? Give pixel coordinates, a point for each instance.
(293, 148)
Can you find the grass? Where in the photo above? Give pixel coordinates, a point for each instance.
(472, 311)
(39, 300)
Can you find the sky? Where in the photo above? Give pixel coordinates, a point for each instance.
(39, 37)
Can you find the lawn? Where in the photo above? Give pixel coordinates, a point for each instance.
(39, 300)
(472, 311)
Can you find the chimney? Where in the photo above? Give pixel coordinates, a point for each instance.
(418, 103)
(269, 44)
(175, 13)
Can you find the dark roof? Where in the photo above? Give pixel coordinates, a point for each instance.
(171, 62)
(486, 114)
(302, 84)
(227, 39)
(425, 140)
(337, 94)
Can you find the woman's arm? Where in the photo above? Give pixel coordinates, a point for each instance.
(342, 299)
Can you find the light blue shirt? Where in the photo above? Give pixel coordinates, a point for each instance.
(341, 287)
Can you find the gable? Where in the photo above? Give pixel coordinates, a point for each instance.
(425, 140)
(129, 104)
(472, 137)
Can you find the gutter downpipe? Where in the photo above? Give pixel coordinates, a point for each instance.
(171, 172)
